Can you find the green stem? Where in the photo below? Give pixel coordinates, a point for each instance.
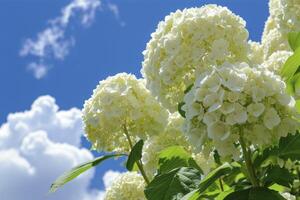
(139, 163)
(248, 161)
(221, 184)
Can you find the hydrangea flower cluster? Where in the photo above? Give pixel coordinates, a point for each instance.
(284, 18)
(276, 61)
(235, 99)
(118, 101)
(171, 136)
(129, 185)
(188, 42)
(233, 96)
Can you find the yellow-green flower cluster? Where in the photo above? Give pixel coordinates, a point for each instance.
(121, 101)
(127, 186)
(284, 18)
(188, 42)
(234, 100)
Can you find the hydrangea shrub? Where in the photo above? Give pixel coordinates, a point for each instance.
(215, 116)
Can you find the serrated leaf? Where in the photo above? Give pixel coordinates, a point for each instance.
(135, 155)
(181, 112)
(76, 171)
(291, 65)
(214, 175)
(294, 40)
(258, 193)
(173, 185)
(281, 176)
(175, 157)
(289, 147)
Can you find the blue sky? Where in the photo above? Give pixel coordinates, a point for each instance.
(103, 48)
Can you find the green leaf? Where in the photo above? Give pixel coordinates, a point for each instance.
(293, 84)
(254, 194)
(260, 158)
(181, 112)
(294, 40)
(278, 188)
(175, 157)
(289, 147)
(222, 195)
(76, 171)
(291, 65)
(278, 175)
(135, 155)
(173, 185)
(214, 175)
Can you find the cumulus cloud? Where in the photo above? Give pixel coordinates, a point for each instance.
(52, 42)
(38, 145)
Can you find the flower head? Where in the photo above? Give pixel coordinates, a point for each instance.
(284, 18)
(188, 42)
(253, 100)
(171, 136)
(118, 102)
(129, 185)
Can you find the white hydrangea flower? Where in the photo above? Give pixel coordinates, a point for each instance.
(274, 40)
(253, 100)
(284, 18)
(117, 101)
(171, 136)
(188, 42)
(276, 61)
(256, 53)
(127, 186)
(205, 162)
(286, 13)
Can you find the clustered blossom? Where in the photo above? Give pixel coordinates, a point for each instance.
(171, 136)
(284, 18)
(255, 55)
(230, 88)
(205, 161)
(276, 61)
(188, 42)
(234, 99)
(127, 186)
(118, 101)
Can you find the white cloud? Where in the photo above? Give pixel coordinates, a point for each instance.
(38, 145)
(115, 10)
(52, 41)
(39, 69)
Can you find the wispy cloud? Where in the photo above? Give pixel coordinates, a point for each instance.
(115, 10)
(52, 42)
